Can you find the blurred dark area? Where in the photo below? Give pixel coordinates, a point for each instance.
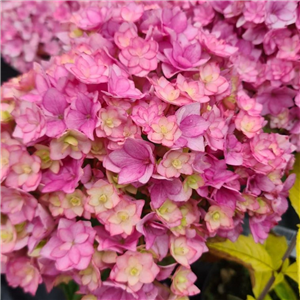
(8, 293)
(7, 71)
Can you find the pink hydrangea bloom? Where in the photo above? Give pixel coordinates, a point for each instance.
(153, 231)
(72, 143)
(213, 82)
(134, 162)
(135, 269)
(72, 245)
(228, 8)
(5, 167)
(249, 105)
(275, 99)
(143, 114)
(249, 125)
(175, 163)
(123, 218)
(18, 205)
(280, 14)
(166, 91)
(247, 68)
(82, 115)
(117, 243)
(218, 217)
(271, 150)
(22, 272)
(69, 205)
(8, 237)
(174, 19)
(191, 89)
(87, 18)
(66, 179)
(89, 69)
(125, 33)
(255, 11)
(132, 12)
(183, 282)
(164, 131)
(43, 152)
(279, 71)
(169, 213)
(102, 197)
(215, 133)
(31, 123)
(120, 86)
(183, 55)
(216, 46)
(111, 120)
(140, 56)
(24, 172)
(192, 127)
(42, 226)
(54, 104)
(174, 190)
(187, 250)
(144, 138)
(89, 277)
(204, 13)
(289, 48)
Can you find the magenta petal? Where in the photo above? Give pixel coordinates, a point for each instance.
(81, 238)
(58, 253)
(74, 255)
(131, 173)
(63, 263)
(65, 235)
(55, 102)
(86, 249)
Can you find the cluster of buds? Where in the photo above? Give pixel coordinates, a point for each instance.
(154, 132)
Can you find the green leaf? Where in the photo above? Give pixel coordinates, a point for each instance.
(285, 265)
(284, 291)
(276, 247)
(292, 271)
(260, 281)
(70, 290)
(268, 297)
(279, 277)
(245, 251)
(105, 274)
(295, 190)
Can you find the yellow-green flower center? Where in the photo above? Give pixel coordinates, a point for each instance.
(134, 272)
(102, 198)
(75, 201)
(176, 163)
(109, 123)
(180, 251)
(71, 141)
(26, 169)
(6, 236)
(216, 216)
(181, 279)
(123, 215)
(163, 129)
(4, 161)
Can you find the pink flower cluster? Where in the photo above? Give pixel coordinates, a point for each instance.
(29, 30)
(165, 124)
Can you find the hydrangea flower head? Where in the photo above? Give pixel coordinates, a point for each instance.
(152, 128)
